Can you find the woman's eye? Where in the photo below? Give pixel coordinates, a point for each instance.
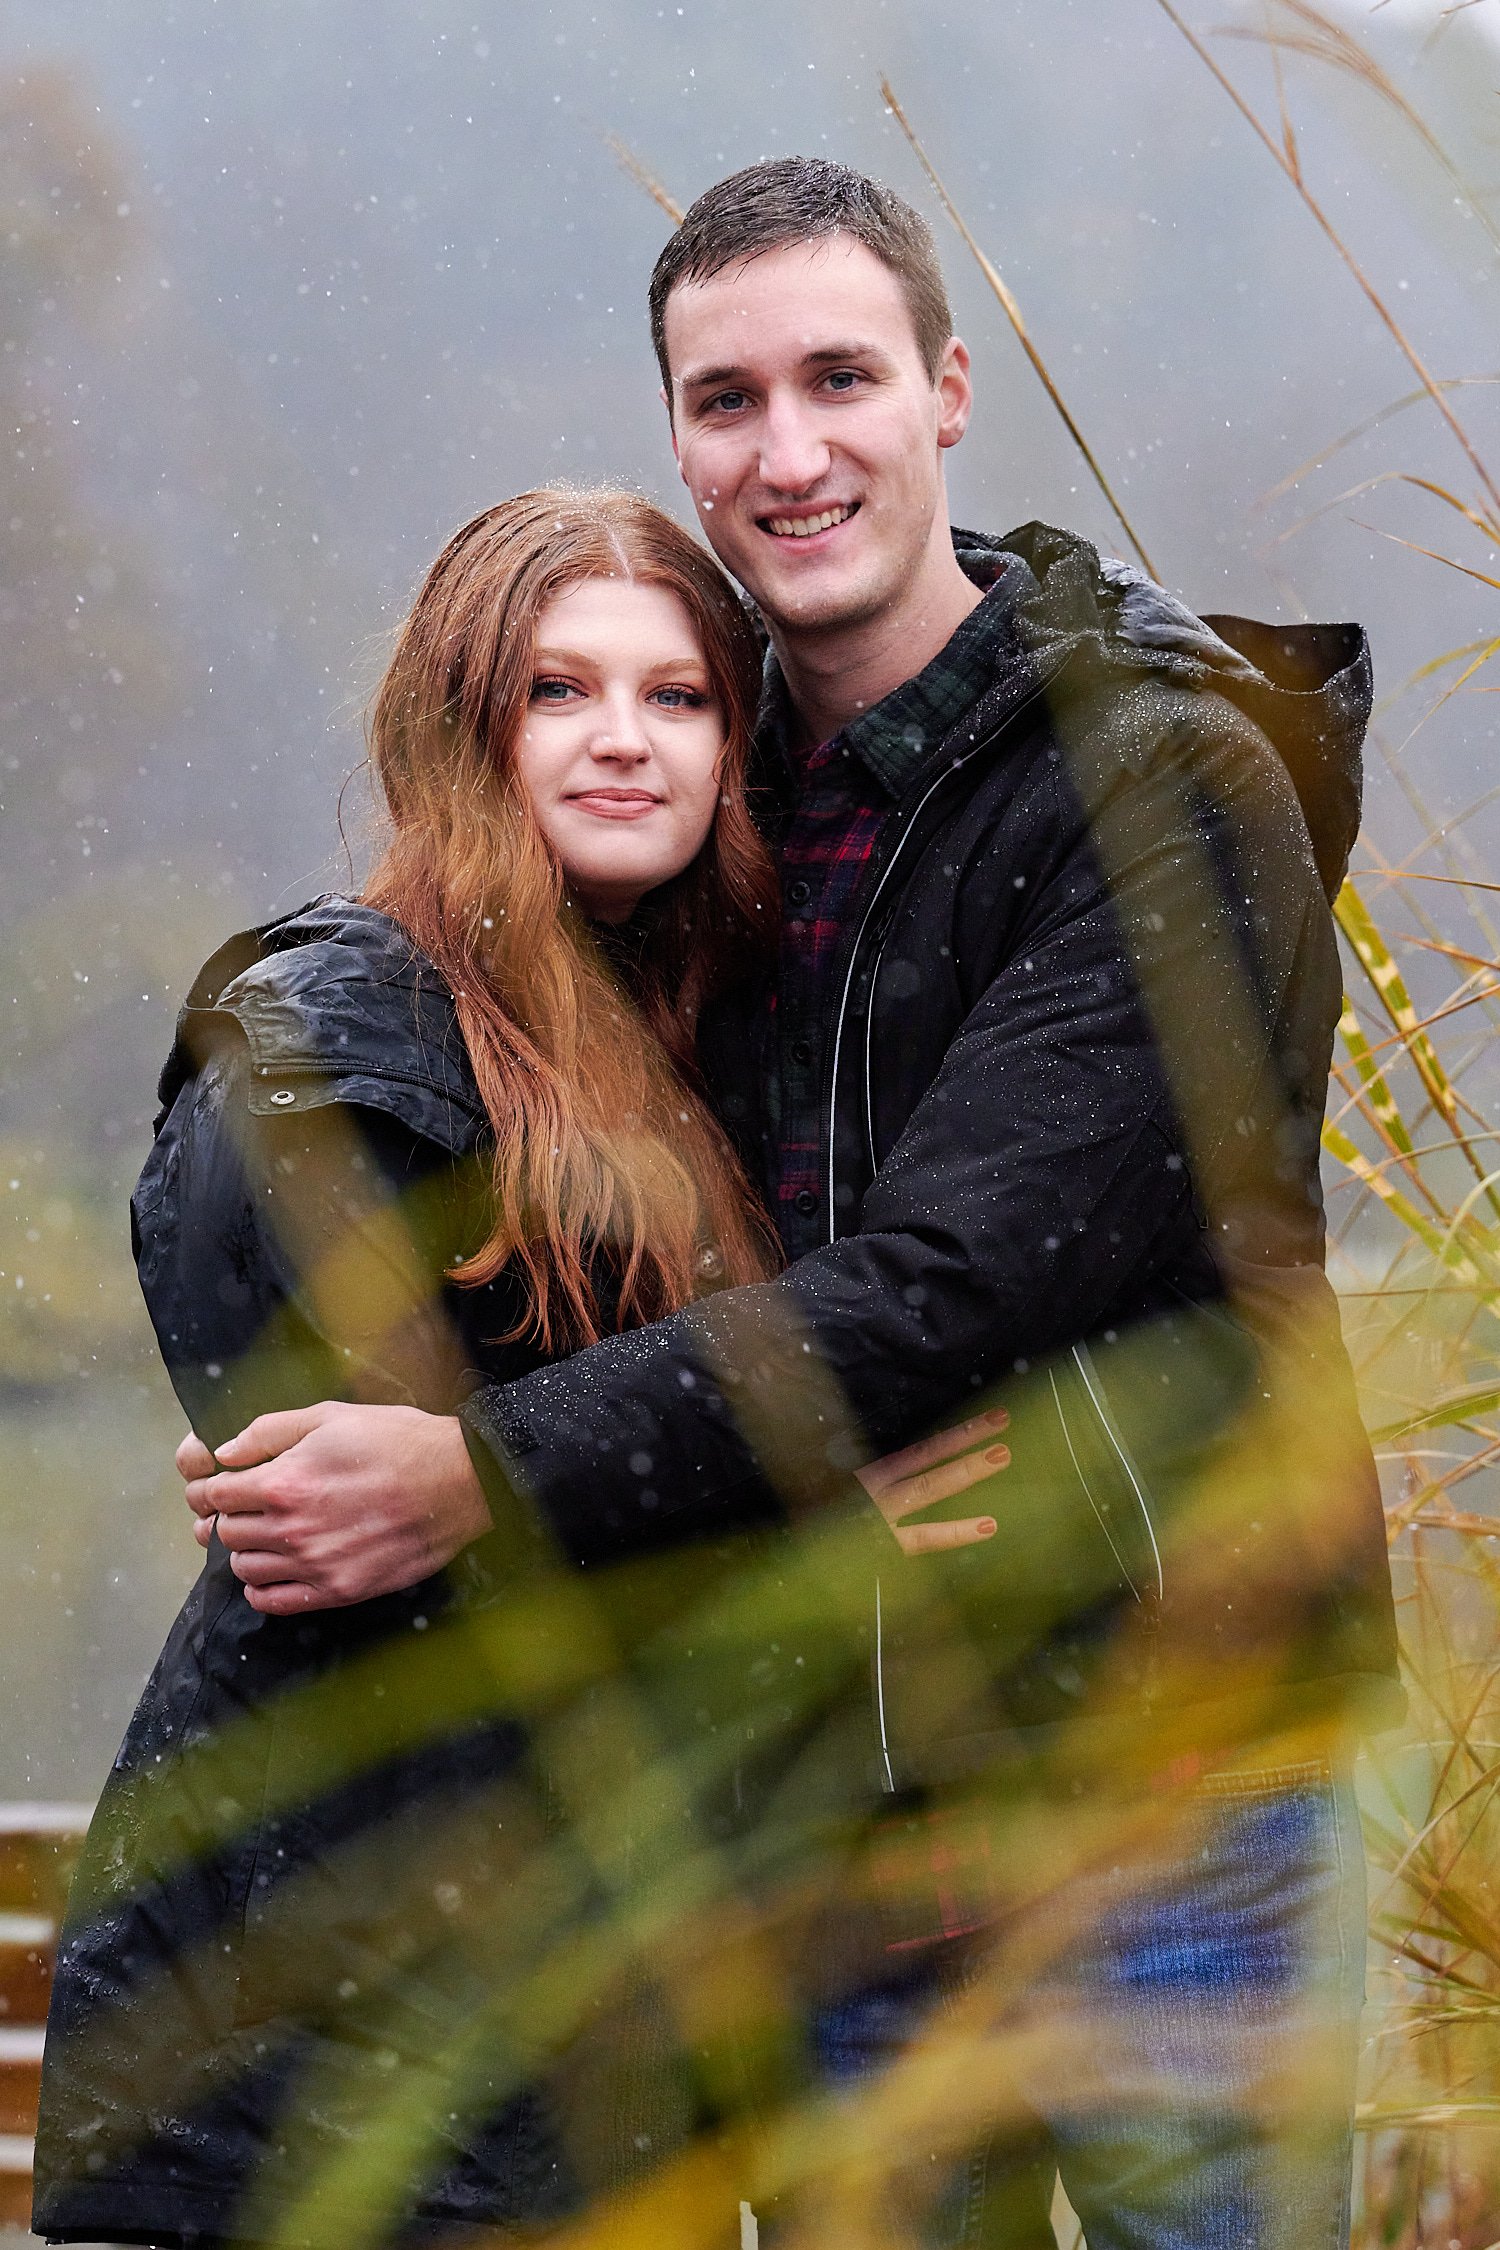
(552, 691)
(679, 698)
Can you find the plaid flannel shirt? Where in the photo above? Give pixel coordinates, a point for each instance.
(846, 789)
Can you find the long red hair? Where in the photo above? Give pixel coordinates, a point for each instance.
(602, 1143)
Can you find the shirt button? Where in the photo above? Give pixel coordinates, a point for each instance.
(805, 1201)
(802, 1050)
(798, 893)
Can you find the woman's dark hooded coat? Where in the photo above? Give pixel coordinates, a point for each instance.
(326, 1849)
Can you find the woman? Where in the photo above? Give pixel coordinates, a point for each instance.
(408, 1143)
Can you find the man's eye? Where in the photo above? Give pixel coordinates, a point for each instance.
(842, 379)
(728, 402)
(552, 691)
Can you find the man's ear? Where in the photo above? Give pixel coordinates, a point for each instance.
(955, 392)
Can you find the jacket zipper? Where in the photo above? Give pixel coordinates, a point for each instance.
(986, 742)
(955, 765)
(1082, 1359)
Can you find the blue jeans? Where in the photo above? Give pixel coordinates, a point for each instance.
(1207, 2004)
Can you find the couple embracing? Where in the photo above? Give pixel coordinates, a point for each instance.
(746, 1085)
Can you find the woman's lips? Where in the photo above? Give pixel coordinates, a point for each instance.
(611, 804)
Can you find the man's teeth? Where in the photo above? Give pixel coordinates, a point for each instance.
(803, 527)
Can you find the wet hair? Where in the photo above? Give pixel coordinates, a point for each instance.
(790, 199)
(602, 1144)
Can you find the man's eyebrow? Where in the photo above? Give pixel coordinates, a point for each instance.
(826, 355)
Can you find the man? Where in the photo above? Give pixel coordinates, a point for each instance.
(1037, 1105)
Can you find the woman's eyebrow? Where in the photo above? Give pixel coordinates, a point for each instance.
(583, 662)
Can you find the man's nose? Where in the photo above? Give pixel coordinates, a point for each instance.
(793, 455)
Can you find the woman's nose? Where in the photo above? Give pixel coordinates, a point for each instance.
(621, 732)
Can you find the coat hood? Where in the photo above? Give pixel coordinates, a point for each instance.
(1307, 687)
(334, 1003)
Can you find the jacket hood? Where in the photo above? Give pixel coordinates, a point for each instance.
(1307, 687)
(333, 1003)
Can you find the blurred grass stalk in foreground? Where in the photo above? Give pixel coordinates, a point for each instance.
(646, 1898)
(1416, 1254)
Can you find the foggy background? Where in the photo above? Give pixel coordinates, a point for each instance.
(292, 288)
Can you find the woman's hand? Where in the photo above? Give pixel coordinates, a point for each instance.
(921, 1475)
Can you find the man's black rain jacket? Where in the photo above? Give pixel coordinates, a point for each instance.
(1074, 1063)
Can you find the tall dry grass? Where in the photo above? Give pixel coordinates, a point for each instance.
(1414, 1178)
(727, 1920)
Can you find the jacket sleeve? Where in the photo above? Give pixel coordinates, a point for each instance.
(283, 1260)
(1118, 1072)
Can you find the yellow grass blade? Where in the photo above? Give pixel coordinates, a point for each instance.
(1352, 1157)
(643, 177)
(1013, 314)
(1461, 1406)
(1382, 1102)
(1336, 241)
(1337, 445)
(1430, 552)
(1323, 40)
(1374, 956)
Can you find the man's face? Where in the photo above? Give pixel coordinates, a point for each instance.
(808, 430)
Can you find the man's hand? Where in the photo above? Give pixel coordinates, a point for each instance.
(333, 1504)
(922, 1475)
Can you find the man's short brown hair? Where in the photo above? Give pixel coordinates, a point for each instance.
(792, 199)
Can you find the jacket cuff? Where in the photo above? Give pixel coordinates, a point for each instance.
(516, 1546)
(600, 1476)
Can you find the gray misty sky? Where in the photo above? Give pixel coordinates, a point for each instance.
(294, 286)
(379, 267)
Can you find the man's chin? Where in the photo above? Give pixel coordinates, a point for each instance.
(821, 604)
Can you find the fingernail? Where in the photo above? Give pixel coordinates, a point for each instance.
(986, 1527)
(999, 1454)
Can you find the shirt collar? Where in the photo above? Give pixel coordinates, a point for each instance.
(893, 739)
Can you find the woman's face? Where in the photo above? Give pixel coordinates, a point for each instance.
(623, 738)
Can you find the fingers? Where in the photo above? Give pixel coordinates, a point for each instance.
(193, 1458)
(943, 1483)
(269, 1435)
(912, 1460)
(209, 1491)
(261, 1566)
(203, 1497)
(288, 1599)
(238, 1493)
(939, 1538)
(241, 1530)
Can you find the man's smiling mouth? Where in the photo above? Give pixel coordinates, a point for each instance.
(808, 527)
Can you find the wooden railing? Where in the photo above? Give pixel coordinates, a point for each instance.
(38, 1846)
